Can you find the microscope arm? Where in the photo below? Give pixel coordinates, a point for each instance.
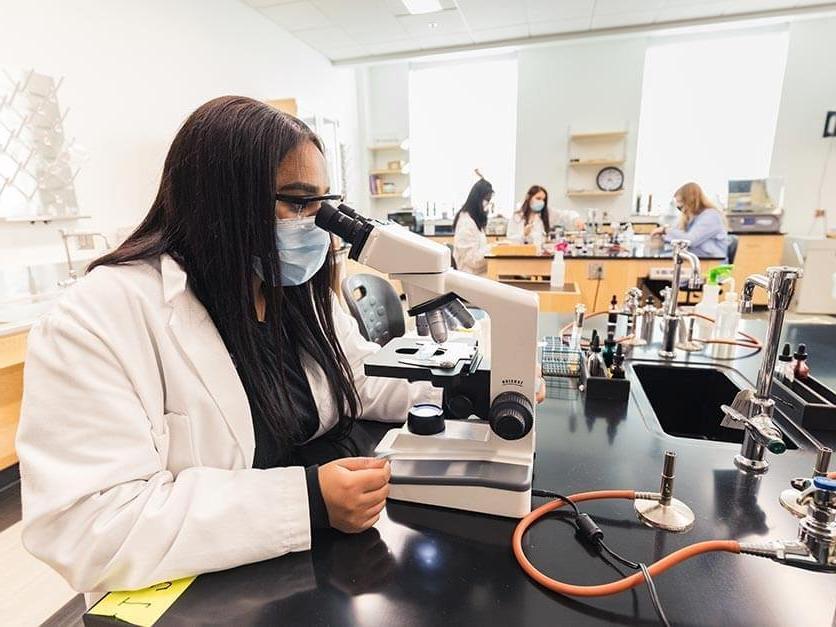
(423, 267)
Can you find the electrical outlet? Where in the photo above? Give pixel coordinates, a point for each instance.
(595, 271)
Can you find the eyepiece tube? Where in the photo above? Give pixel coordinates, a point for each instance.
(331, 219)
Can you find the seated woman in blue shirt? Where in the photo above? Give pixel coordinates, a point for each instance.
(701, 223)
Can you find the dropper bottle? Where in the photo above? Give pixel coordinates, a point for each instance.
(617, 370)
(802, 370)
(784, 369)
(595, 366)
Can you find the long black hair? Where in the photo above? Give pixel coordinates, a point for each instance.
(214, 213)
(525, 209)
(481, 190)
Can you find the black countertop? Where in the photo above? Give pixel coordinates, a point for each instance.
(424, 565)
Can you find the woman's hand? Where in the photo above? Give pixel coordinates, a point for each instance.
(527, 229)
(659, 231)
(354, 490)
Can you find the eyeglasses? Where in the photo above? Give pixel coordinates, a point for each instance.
(305, 206)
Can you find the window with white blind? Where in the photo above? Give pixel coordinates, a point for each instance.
(462, 116)
(709, 111)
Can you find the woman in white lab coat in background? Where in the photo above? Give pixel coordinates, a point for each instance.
(470, 244)
(170, 394)
(534, 219)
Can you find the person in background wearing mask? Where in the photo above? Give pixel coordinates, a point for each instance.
(530, 223)
(470, 245)
(700, 222)
(534, 219)
(188, 405)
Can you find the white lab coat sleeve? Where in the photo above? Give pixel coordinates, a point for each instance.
(383, 399)
(470, 246)
(99, 505)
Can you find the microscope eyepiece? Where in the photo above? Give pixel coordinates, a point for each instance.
(346, 223)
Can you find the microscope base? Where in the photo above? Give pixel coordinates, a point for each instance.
(464, 467)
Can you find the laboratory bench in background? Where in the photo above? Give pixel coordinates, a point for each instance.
(424, 565)
(12, 351)
(597, 276)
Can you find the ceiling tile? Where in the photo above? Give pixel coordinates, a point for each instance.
(484, 14)
(393, 46)
(266, 3)
(517, 31)
(296, 16)
(351, 52)
(608, 7)
(327, 37)
(552, 11)
(442, 41)
(750, 6)
(446, 22)
(370, 20)
(562, 26)
(692, 10)
(623, 19)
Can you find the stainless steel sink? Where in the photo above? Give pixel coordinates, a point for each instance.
(686, 401)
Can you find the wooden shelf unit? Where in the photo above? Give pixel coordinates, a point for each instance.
(594, 192)
(603, 135)
(591, 151)
(379, 155)
(385, 172)
(387, 147)
(594, 162)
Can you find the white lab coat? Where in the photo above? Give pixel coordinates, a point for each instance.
(136, 440)
(470, 245)
(516, 229)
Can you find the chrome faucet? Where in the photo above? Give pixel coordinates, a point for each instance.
(671, 317)
(85, 240)
(760, 431)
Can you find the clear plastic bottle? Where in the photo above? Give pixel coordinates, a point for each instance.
(558, 271)
(728, 318)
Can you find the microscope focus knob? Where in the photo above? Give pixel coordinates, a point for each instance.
(511, 415)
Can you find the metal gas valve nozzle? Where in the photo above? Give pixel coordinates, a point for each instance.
(815, 547)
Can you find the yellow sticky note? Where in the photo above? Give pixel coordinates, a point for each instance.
(141, 607)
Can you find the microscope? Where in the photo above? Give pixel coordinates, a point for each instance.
(477, 452)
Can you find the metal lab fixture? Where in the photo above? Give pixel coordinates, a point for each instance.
(760, 431)
(671, 316)
(38, 163)
(813, 501)
(662, 510)
(85, 241)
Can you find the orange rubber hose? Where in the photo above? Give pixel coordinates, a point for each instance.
(614, 587)
(749, 341)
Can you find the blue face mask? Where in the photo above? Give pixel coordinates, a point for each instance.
(537, 205)
(302, 248)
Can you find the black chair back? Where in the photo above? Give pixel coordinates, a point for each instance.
(376, 307)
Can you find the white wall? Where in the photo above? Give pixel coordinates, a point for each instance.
(588, 87)
(388, 102)
(800, 151)
(135, 70)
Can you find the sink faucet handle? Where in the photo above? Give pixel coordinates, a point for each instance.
(761, 428)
